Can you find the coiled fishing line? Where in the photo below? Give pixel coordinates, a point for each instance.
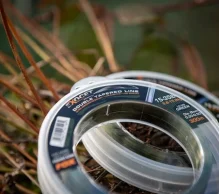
(200, 95)
(111, 102)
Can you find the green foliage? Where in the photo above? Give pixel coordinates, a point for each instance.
(156, 53)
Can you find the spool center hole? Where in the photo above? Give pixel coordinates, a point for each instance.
(146, 135)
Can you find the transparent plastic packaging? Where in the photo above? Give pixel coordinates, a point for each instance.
(106, 108)
(199, 94)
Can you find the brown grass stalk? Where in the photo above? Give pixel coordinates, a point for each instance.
(52, 43)
(53, 49)
(85, 70)
(18, 92)
(8, 58)
(101, 35)
(18, 59)
(24, 189)
(18, 166)
(42, 63)
(7, 64)
(30, 70)
(12, 108)
(31, 60)
(97, 66)
(18, 127)
(46, 56)
(10, 65)
(28, 156)
(31, 165)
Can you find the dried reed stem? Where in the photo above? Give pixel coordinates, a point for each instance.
(24, 189)
(18, 166)
(18, 59)
(101, 35)
(2, 134)
(45, 56)
(18, 127)
(17, 91)
(98, 66)
(52, 43)
(7, 64)
(12, 108)
(31, 60)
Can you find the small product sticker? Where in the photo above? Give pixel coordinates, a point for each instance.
(60, 132)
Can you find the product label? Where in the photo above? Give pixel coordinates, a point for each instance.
(60, 140)
(200, 98)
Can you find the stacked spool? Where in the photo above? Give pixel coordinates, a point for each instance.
(134, 169)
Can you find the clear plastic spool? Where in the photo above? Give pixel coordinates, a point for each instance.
(44, 161)
(199, 94)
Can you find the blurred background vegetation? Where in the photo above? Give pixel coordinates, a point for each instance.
(72, 39)
(143, 35)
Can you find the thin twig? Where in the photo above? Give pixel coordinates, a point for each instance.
(18, 59)
(101, 35)
(17, 141)
(116, 186)
(18, 92)
(51, 42)
(98, 66)
(31, 60)
(14, 144)
(7, 64)
(30, 71)
(24, 189)
(18, 127)
(103, 174)
(90, 51)
(95, 169)
(29, 164)
(46, 56)
(13, 109)
(18, 166)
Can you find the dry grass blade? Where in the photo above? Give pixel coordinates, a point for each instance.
(98, 66)
(18, 59)
(17, 91)
(62, 50)
(11, 107)
(30, 71)
(3, 135)
(24, 189)
(194, 64)
(7, 58)
(135, 14)
(15, 125)
(31, 60)
(18, 166)
(7, 63)
(117, 185)
(46, 56)
(52, 43)
(101, 34)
